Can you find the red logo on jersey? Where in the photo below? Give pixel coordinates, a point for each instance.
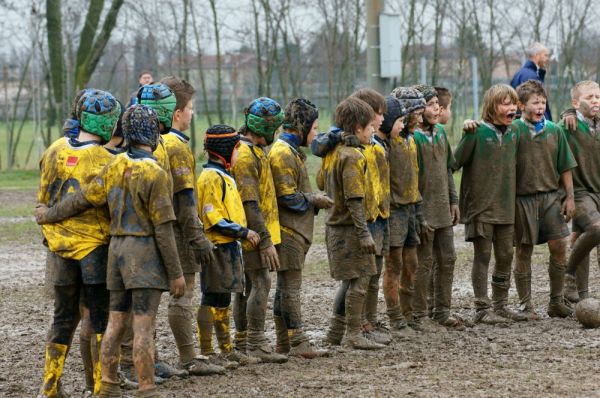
(72, 160)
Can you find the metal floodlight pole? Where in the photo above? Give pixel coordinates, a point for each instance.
(374, 79)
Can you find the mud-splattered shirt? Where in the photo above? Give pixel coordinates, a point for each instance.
(162, 157)
(541, 157)
(290, 177)
(137, 192)
(586, 150)
(181, 160)
(435, 158)
(68, 166)
(252, 174)
(488, 186)
(404, 172)
(345, 178)
(374, 190)
(380, 148)
(218, 199)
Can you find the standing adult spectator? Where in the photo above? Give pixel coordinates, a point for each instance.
(534, 69)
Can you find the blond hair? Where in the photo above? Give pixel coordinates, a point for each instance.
(576, 90)
(495, 96)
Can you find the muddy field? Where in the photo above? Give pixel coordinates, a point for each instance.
(544, 358)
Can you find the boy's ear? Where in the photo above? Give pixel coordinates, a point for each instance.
(177, 114)
(575, 103)
(521, 106)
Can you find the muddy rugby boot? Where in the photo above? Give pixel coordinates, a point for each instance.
(166, 371)
(149, 393)
(266, 355)
(241, 358)
(301, 347)
(529, 312)
(53, 369)
(200, 366)
(488, 317)
(508, 313)
(379, 335)
(426, 325)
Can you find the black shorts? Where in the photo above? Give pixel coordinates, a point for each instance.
(90, 270)
(403, 227)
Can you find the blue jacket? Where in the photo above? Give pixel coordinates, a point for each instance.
(530, 71)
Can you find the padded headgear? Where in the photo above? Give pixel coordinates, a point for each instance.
(428, 91)
(394, 110)
(263, 117)
(410, 98)
(300, 114)
(97, 112)
(162, 99)
(220, 141)
(140, 126)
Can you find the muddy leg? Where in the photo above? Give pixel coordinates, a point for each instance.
(181, 321)
(556, 271)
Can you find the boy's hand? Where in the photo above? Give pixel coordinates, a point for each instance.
(40, 213)
(570, 122)
(269, 257)
(568, 209)
(367, 245)
(469, 125)
(253, 238)
(177, 287)
(455, 214)
(204, 252)
(322, 201)
(425, 232)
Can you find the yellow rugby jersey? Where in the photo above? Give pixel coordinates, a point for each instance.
(66, 168)
(252, 173)
(383, 170)
(162, 157)
(373, 191)
(181, 160)
(218, 198)
(290, 176)
(404, 171)
(137, 192)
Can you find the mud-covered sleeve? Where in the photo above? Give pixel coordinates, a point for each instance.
(72, 205)
(285, 170)
(356, 208)
(165, 241)
(565, 159)
(464, 150)
(160, 202)
(246, 175)
(452, 188)
(96, 191)
(181, 162)
(354, 167)
(186, 212)
(256, 222)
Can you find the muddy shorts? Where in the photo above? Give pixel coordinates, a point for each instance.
(380, 231)
(252, 260)
(346, 260)
(90, 270)
(226, 273)
(403, 227)
(292, 252)
(587, 205)
(139, 301)
(482, 230)
(134, 262)
(538, 218)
